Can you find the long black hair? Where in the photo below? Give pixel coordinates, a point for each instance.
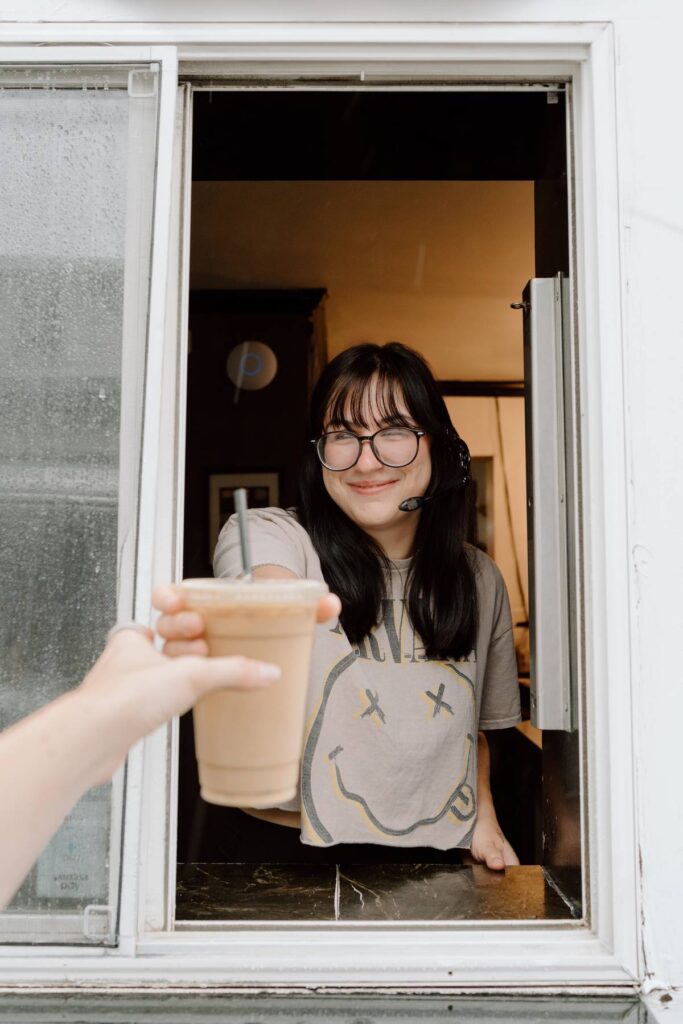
(441, 586)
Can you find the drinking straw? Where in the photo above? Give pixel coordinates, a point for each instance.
(241, 509)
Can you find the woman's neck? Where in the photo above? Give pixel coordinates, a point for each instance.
(396, 540)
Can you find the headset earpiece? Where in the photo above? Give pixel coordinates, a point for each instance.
(464, 461)
(462, 458)
(461, 473)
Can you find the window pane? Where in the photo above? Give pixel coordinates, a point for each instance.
(77, 167)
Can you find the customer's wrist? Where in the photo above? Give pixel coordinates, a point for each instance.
(106, 723)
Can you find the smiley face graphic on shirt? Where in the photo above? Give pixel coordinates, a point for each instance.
(392, 752)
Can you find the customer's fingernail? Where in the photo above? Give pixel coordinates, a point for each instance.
(269, 673)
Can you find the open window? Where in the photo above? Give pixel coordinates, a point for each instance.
(321, 218)
(213, 946)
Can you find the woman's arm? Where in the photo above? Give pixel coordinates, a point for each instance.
(489, 845)
(50, 759)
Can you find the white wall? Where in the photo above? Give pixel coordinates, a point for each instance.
(651, 216)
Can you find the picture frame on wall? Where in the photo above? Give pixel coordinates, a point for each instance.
(262, 492)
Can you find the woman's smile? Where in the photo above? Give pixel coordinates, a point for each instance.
(368, 487)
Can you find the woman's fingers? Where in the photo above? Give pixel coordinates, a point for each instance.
(493, 856)
(183, 631)
(166, 598)
(509, 856)
(186, 648)
(329, 607)
(490, 847)
(180, 626)
(498, 854)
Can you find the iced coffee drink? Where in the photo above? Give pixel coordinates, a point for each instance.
(248, 742)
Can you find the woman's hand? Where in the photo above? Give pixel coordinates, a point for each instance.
(183, 630)
(489, 845)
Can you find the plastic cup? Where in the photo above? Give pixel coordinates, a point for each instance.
(248, 742)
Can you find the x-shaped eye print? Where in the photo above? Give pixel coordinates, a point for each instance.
(439, 702)
(373, 707)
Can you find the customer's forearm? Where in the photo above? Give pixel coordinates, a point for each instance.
(47, 762)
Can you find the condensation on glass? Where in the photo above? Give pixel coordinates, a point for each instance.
(77, 172)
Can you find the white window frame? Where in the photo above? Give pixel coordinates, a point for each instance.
(602, 956)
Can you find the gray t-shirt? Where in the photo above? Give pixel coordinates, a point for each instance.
(390, 747)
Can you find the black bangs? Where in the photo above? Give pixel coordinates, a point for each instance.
(351, 405)
(375, 382)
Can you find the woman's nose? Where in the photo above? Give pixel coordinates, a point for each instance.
(368, 460)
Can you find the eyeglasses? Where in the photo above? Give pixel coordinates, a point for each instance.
(392, 446)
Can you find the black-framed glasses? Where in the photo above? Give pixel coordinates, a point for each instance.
(392, 446)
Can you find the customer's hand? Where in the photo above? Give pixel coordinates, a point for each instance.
(50, 759)
(183, 630)
(136, 689)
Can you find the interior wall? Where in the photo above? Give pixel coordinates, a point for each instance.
(434, 264)
(475, 420)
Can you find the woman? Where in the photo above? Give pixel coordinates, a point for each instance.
(422, 655)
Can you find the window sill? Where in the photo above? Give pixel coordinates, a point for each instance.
(404, 893)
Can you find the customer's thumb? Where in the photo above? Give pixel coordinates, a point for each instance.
(236, 673)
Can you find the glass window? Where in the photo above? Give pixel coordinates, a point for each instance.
(77, 167)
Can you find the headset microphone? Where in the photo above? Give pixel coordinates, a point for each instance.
(412, 504)
(462, 458)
